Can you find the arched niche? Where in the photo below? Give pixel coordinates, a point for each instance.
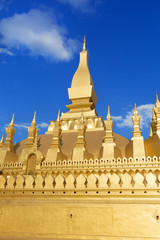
(64, 125)
(31, 164)
(71, 127)
(90, 123)
(99, 123)
(76, 124)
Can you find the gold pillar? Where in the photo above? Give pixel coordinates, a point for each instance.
(32, 134)
(54, 153)
(153, 123)
(137, 139)
(10, 131)
(108, 141)
(80, 146)
(157, 111)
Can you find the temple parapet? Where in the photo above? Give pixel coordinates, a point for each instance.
(85, 165)
(104, 183)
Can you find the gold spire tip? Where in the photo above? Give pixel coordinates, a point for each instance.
(12, 121)
(108, 114)
(34, 119)
(58, 116)
(157, 99)
(84, 44)
(135, 112)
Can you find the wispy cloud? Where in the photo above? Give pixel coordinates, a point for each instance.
(26, 125)
(145, 112)
(38, 32)
(42, 125)
(117, 118)
(20, 125)
(86, 6)
(6, 51)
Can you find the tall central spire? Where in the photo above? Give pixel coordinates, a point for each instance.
(82, 94)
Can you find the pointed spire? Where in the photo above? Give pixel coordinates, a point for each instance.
(157, 112)
(108, 128)
(84, 44)
(10, 131)
(108, 114)
(1, 141)
(12, 121)
(153, 123)
(157, 100)
(136, 123)
(135, 112)
(58, 116)
(34, 119)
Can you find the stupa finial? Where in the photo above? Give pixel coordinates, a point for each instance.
(108, 114)
(58, 116)
(34, 119)
(157, 99)
(84, 44)
(135, 112)
(12, 121)
(153, 123)
(136, 122)
(108, 138)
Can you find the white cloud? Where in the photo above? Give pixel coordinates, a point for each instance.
(145, 112)
(77, 3)
(26, 125)
(82, 5)
(6, 51)
(38, 32)
(22, 125)
(117, 118)
(42, 125)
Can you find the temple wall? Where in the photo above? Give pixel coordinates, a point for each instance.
(111, 205)
(89, 218)
(119, 199)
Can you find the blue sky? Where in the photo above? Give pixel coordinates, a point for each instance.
(40, 41)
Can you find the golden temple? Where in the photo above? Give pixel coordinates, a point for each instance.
(80, 180)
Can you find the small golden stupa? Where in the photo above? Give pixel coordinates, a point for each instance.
(80, 180)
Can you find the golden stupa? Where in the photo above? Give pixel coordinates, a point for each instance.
(80, 180)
